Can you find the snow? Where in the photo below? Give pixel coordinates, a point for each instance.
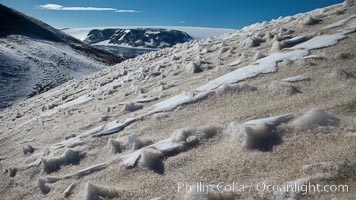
(339, 23)
(130, 160)
(178, 100)
(110, 128)
(37, 160)
(77, 139)
(320, 42)
(296, 40)
(123, 45)
(238, 75)
(313, 56)
(280, 56)
(28, 122)
(49, 113)
(126, 32)
(350, 27)
(236, 62)
(296, 79)
(264, 65)
(167, 146)
(146, 100)
(113, 127)
(270, 121)
(52, 93)
(77, 101)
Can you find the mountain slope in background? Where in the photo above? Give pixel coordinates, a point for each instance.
(35, 57)
(144, 38)
(196, 33)
(140, 37)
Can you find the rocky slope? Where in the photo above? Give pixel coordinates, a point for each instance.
(271, 104)
(35, 57)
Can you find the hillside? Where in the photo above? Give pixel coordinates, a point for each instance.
(270, 104)
(35, 57)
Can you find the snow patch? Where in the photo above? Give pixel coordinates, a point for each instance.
(77, 101)
(320, 42)
(296, 79)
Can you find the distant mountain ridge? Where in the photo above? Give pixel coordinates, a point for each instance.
(196, 33)
(138, 37)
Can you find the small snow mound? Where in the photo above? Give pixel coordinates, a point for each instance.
(223, 49)
(131, 107)
(343, 55)
(181, 135)
(193, 67)
(276, 46)
(315, 117)
(206, 132)
(11, 171)
(176, 57)
(152, 159)
(258, 55)
(136, 143)
(27, 149)
(204, 51)
(234, 88)
(309, 20)
(279, 87)
(43, 187)
(114, 146)
(249, 42)
(53, 164)
(253, 137)
(93, 192)
(341, 74)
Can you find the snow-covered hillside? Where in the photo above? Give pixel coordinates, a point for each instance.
(271, 105)
(35, 57)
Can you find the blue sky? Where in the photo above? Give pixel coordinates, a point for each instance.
(203, 13)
